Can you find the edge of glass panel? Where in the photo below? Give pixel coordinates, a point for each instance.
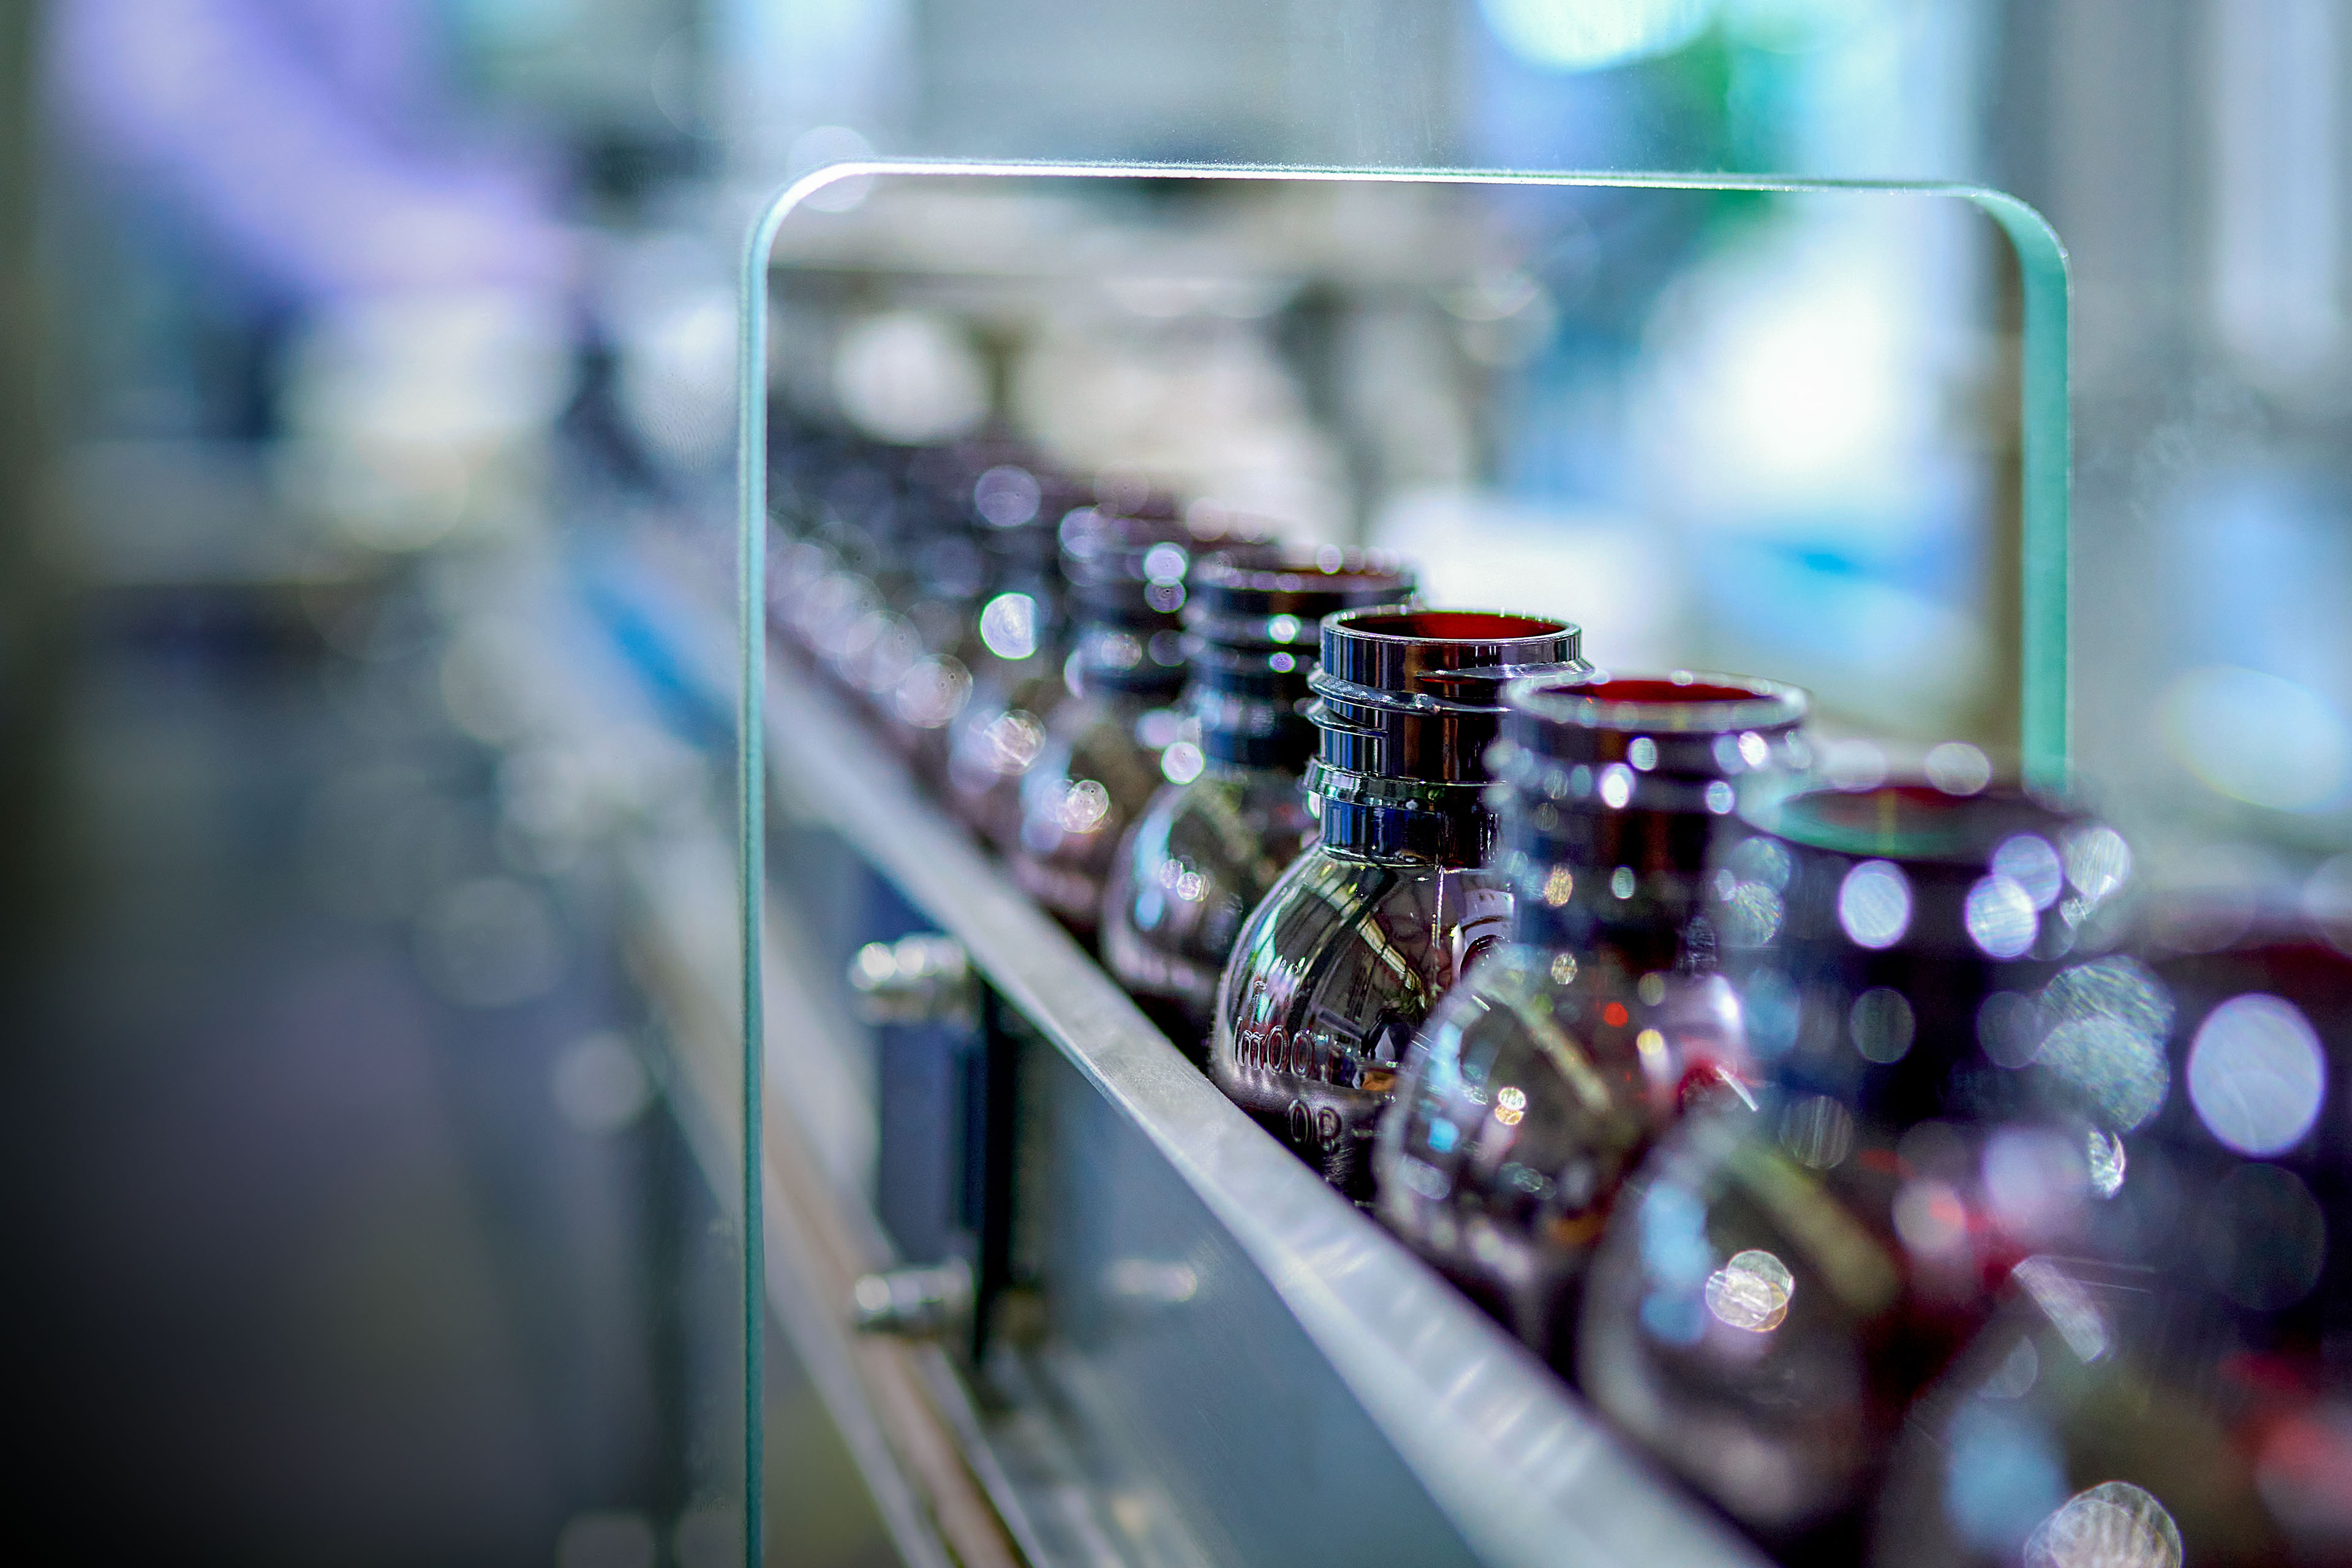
(2046, 462)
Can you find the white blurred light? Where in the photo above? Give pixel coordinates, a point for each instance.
(933, 692)
(1165, 563)
(600, 1086)
(1160, 728)
(1931, 1218)
(911, 376)
(1181, 764)
(2112, 1525)
(1999, 917)
(2120, 1072)
(1751, 1292)
(2327, 901)
(1616, 786)
(2258, 738)
(2104, 1154)
(2256, 1074)
(676, 381)
(1874, 904)
(2118, 987)
(814, 149)
(2035, 1179)
(1084, 806)
(2098, 860)
(1006, 496)
(1616, 575)
(1957, 768)
(1854, 764)
(2027, 860)
(1008, 624)
(2019, 1370)
(1751, 915)
(1589, 35)
(2070, 1308)
(1817, 1131)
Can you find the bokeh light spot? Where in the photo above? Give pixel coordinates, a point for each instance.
(2027, 860)
(1751, 1292)
(1008, 624)
(2112, 1525)
(1957, 768)
(1881, 1025)
(1999, 917)
(1874, 904)
(2256, 1074)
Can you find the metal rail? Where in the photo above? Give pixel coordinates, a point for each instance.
(1523, 1471)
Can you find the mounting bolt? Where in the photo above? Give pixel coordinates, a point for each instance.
(923, 979)
(916, 1303)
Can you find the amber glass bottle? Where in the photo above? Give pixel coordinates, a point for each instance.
(1539, 1081)
(993, 631)
(1099, 759)
(1950, 1076)
(1232, 814)
(2191, 1408)
(1028, 632)
(1333, 972)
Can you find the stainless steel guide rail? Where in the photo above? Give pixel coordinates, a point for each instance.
(1298, 1386)
(1522, 1471)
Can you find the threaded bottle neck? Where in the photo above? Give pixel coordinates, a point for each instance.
(1407, 703)
(1610, 789)
(1254, 615)
(1877, 931)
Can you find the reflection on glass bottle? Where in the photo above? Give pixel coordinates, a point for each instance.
(1540, 1079)
(1778, 1282)
(1232, 814)
(1098, 759)
(1335, 971)
(994, 623)
(1025, 668)
(2197, 1408)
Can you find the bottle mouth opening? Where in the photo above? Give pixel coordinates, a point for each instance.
(1910, 821)
(1681, 702)
(1449, 625)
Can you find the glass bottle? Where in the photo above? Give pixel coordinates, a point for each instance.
(1232, 814)
(1099, 760)
(1778, 1282)
(1021, 671)
(2197, 1407)
(1539, 1080)
(993, 623)
(1335, 969)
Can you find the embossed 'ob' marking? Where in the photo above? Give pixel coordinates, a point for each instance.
(1317, 1129)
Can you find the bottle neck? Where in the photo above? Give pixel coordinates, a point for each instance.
(1250, 705)
(1381, 818)
(1132, 656)
(1586, 877)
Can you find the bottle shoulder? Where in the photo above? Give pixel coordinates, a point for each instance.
(1361, 945)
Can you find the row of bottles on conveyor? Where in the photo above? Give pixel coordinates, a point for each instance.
(1843, 1145)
